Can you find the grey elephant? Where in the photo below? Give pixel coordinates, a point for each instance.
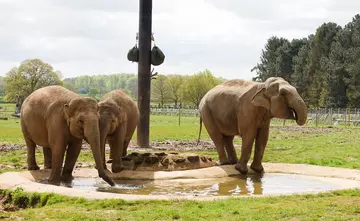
(245, 108)
(119, 116)
(58, 120)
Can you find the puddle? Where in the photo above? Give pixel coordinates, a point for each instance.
(269, 183)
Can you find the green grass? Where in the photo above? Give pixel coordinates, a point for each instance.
(162, 128)
(337, 147)
(338, 205)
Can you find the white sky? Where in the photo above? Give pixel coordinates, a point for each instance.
(87, 37)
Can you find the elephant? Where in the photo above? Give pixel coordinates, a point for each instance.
(119, 116)
(245, 108)
(58, 120)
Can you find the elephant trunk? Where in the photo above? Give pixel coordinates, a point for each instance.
(299, 107)
(91, 132)
(104, 130)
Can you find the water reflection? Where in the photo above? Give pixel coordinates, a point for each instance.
(227, 186)
(240, 185)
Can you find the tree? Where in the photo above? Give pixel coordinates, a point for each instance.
(29, 76)
(69, 86)
(93, 92)
(300, 75)
(1, 86)
(160, 89)
(175, 82)
(270, 60)
(318, 58)
(198, 85)
(132, 86)
(350, 43)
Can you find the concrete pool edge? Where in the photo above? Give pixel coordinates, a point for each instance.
(25, 179)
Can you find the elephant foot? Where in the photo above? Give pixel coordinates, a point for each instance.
(241, 169)
(117, 168)
(67, 178)
(53, 181)
(233, 161)
(33, 167)
(257, 168)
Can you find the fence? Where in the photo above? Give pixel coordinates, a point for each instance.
(320, 116)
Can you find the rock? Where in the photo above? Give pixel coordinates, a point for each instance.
(160, 154)
(193, 159)
(165, 162)
(180, 160)
(151, 160)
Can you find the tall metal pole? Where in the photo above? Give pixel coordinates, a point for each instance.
(144, 75)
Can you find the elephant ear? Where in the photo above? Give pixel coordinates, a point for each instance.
(66, 113)
(260, 99)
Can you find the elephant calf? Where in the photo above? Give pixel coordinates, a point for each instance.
(57, 118)
(245, 108)
(119, 117)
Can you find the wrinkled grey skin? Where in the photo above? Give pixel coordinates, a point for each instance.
(58, 120)
(245, 108)
(119, 116)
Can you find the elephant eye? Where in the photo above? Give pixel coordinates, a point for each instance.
(113, 121)
(80, 121)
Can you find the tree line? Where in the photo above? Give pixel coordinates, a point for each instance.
(33, 74)
(324, 66)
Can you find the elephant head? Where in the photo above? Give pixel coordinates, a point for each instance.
(281, 99)
(82, 118)
(111, 116)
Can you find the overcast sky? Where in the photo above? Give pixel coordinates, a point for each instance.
(87, 37)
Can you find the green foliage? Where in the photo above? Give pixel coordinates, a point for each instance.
(325, 67)
(1, 86)
(29, 76)
(103, 83)
(196, 86)
(93, 92)
(175, 83)
(160, 89)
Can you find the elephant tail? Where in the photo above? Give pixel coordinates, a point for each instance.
(198, 140)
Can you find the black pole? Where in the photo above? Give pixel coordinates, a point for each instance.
(144, 76)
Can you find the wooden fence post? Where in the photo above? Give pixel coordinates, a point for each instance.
(345, 116)
(331, 116)
(179, 114)
(316, 116)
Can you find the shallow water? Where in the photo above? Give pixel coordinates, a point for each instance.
(268, 183)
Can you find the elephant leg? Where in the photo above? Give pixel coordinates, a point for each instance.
(47, 157)
(57, 158)
(215, 135)
(31, 161)
(230, 149)
(130, 133)
(260, 144)
(126, 145)
(246, 148)
(72, 154)
(116, 144)
(219, 142)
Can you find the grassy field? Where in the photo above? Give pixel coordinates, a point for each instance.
(337, 147)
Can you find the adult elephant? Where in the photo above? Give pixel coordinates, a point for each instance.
(57, 118)
(245, 108)
(119, 116)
